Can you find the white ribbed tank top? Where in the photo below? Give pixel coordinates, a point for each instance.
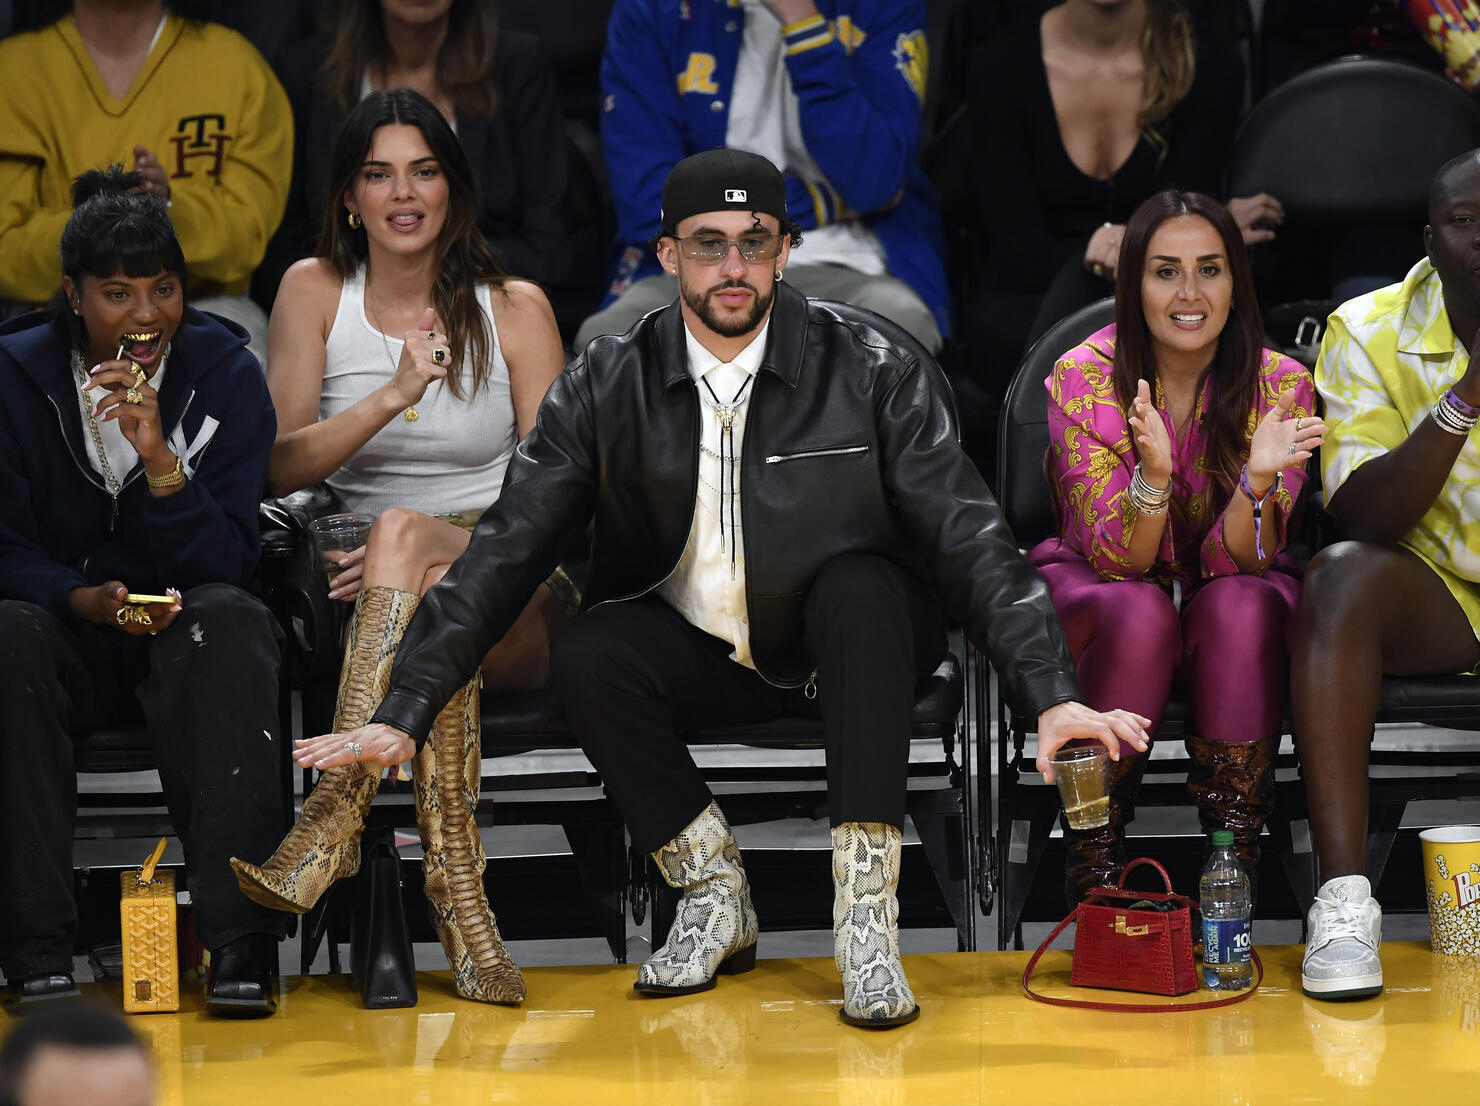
(452, 459)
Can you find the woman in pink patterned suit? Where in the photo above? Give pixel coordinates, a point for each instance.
(1178, 456)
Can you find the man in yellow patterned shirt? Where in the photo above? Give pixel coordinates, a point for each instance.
(1402, 597)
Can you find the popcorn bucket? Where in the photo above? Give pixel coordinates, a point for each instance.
(1451, 863)
(1451, 27)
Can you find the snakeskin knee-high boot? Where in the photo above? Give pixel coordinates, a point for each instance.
(714, 930)
(446, 774)
(324, 845)
(876, 994)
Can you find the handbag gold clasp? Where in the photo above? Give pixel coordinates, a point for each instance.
(1130, 931)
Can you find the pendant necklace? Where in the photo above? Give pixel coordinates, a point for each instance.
(411, 414)
(726, 413)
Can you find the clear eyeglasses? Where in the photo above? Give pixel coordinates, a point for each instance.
(710, 248)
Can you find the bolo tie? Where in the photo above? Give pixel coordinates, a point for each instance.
(726, 412)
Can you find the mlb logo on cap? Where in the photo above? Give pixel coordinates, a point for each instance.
(748, 182)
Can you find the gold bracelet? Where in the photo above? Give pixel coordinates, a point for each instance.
(170, 479)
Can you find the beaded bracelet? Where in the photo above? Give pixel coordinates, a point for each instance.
(1454, 415)
(1258, 502)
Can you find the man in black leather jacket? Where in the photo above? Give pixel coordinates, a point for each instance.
(779, 498)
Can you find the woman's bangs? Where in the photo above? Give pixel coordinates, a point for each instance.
(133, 247)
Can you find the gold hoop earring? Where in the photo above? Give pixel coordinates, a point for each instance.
(354, 220)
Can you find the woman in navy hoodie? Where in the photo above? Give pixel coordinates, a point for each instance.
(134, 436)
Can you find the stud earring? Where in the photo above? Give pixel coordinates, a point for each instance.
(354, 220)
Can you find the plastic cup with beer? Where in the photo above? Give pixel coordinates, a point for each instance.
(1451, 867)
(1080, 773)
(336, 535)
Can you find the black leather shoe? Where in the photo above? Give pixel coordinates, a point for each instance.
(243, 978)
(25, 993)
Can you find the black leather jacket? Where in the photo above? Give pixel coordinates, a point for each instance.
(850, 446)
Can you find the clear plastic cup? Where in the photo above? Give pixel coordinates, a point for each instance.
(336, 535)
(1080, 772)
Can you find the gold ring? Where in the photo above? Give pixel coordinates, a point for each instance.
(120, 616)
(1300, 423)
(439, 355)
(133, 396)
(140, 376)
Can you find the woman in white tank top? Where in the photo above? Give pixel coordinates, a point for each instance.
(411, 427)
(364, 404)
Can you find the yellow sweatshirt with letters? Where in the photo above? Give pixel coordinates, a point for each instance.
(205, 104)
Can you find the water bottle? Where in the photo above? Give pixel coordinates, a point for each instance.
(1228, 919)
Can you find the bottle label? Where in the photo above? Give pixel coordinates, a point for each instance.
(1225, 940)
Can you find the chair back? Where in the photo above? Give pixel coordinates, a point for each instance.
(1022, 432)
(1356, 138)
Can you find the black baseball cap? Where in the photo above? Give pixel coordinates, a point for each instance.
(722, 180)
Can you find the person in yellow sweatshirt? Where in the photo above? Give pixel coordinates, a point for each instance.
(189, 104)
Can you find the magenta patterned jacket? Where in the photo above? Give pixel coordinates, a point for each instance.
(1091, 458)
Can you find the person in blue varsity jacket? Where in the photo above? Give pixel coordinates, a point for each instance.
(830, 91)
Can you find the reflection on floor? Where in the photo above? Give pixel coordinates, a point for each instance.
(773, 1036)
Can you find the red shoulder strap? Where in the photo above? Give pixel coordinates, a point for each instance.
(1129, 1007)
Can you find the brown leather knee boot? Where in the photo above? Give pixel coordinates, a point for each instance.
(1232, 784)
(1096, 856)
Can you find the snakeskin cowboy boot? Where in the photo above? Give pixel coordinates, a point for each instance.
(447, 774)
(1096, 857)
(324, 844)
(1232, 784)
(715, 928)
(866, 926)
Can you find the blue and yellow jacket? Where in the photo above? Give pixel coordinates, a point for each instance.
(858, 71)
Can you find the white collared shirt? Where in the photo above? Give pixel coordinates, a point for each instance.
(703, 588)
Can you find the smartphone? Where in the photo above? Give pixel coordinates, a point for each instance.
(133, 598)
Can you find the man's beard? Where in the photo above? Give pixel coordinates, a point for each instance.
(728, 327)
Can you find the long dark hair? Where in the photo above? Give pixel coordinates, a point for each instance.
(464, 258)
(1169, 53)
(464, 63)
(1234, 372)
(113, 231)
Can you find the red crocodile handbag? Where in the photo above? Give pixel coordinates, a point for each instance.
(1121, 947)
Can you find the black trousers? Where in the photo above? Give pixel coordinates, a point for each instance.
(207, 691)
(635, 678)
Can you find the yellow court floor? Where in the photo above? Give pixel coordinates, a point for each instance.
(773, 1036)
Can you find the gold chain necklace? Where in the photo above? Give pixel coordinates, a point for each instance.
(91, 422)
(411, 414)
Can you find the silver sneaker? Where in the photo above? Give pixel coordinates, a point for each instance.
(1344, 928)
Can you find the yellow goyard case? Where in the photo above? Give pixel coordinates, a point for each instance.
(151, 959)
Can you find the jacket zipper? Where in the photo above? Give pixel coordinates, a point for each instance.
(92, 476)
(777, 458)
(810, 687)
(86, 470)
